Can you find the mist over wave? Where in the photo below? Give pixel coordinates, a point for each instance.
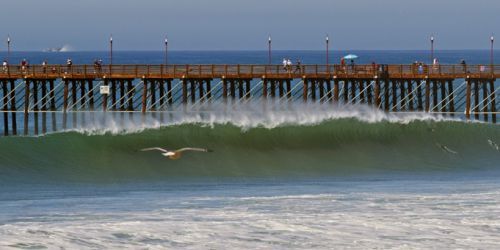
(249, 115)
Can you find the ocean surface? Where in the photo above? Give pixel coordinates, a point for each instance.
(306, 177)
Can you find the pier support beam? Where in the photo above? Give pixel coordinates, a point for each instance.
(451, 98)
(492, 101)
(26, 105)
(427, 95)
(203, 85)
(145, 95)
(335, 89)
(411, 97)
(45, 107)
(13, 106)
(484, 85)
(468, 98)
(420, 102)
(476, 99)
(443, 96)
(403, 95)
(387, 88)
(35, 105)
(362, 94)
(345, 93)
(435, 95)
(234, 88)
(5, 108)
(329, 95)
(394, 95)
(377, 92)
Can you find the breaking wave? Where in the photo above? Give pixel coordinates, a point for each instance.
(252, 141)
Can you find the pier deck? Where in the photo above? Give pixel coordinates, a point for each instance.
(251, 71)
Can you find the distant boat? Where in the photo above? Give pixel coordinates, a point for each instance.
(52, 50)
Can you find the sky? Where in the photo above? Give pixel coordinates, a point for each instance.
(245, 25)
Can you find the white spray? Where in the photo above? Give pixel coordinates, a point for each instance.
(248, 115)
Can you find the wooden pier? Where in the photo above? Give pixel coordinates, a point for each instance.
(38, 95)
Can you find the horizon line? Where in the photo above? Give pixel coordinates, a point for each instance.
(241, 50)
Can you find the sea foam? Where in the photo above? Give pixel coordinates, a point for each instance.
(248, 115)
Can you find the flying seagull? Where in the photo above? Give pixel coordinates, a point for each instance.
(176, 154)
(446, 149)
(493, 145)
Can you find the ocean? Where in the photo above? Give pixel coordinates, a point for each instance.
(304, 177)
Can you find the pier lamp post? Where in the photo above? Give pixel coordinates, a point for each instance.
(327, 47)
(111, 50)
(166, 51)
(269, 48)
(8, 48)
(432, 49)
(492, 40)
(110, 54)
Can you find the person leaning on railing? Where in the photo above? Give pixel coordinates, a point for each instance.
(420, 68)
(464, 65)
(298, 67)
(374, 67)
(97, 66)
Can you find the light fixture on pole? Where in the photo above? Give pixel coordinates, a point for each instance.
(8, 48)
(432, 49)
(111, 50)
(269, 48)
(327, 47)
(166, 51)
(492, 40)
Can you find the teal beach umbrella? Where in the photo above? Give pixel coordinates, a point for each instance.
(350, 57)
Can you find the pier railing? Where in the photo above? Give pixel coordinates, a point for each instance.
(249, 71)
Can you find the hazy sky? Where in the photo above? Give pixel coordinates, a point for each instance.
(235, 24)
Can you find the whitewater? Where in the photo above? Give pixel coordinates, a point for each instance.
(278, 215)
(269, 114)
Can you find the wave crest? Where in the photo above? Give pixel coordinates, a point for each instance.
(247, 116)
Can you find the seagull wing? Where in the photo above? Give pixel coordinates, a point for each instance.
(449, 150)
(156, 148)
(192, 149)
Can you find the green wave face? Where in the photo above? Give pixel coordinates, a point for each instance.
(342, 147)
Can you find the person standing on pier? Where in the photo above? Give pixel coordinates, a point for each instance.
(297, 66)
(420, 68)
(23, 64)
(464, 65)
(69, 63)
(435, 64)
(44, 66)
(374, 67)
(352, 66)
(97, 66)
(289, 65)
(5, 66)
(284, 64)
